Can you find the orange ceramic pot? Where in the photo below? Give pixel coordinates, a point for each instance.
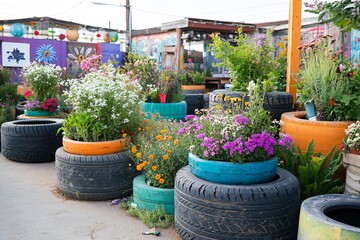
(326, 134)
(193, 89)
(95, 148)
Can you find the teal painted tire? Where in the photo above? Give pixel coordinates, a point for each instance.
(34, 113)
(176, 111)
(330, 216)
(233, 173)
(148, 198)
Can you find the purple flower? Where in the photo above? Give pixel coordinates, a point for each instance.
(181, 131)
(240, 119)
(201, 136)
(188, 117)
(286, 141)
(206, 153)
(342, 67)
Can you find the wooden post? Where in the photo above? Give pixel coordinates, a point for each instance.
(178, 49)
(293, 55)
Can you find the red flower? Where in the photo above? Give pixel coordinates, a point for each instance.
(332, 102)
(27, 93)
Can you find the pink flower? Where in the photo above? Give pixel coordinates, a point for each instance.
(27, 93)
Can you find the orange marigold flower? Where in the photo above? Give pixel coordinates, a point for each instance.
(139, 129)
(151, 156)
(146, 120)
(176, 141)
(153, 116)
(161, 181)
(170, 138)
(138, 155)
(147, 128)
(166, 157)
(122, 131)
(159, 137)
(157, 176)
(139, 167)
(163, 131)
(154, 168)
(169, 151)
(133, 149)
(146, 163)
(124, 135)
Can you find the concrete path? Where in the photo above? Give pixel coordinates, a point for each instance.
(31, 209)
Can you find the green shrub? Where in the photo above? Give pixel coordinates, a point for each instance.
(314, 171)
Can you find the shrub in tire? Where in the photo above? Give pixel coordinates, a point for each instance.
(101, 177)
(206, 210)
(330, 216)
(31, 141)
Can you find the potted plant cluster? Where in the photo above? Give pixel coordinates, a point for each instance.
(251, 59)
(232, 173)
(158, 153)
(193, 81)
(41, 80)
(352, 158)
(106, 112)
(156, 84)
(327, 80)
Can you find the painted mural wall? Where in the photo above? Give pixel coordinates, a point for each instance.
(152, 45)
(18, 52)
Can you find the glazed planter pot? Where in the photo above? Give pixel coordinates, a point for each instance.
(330, 216)
(149, 198)
(193, 89)
(176, 111)
(233, 173)
(72, 34)
(95, 148)
(326, 134)
(352, 164)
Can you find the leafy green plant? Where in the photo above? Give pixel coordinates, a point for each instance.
(344, 14)
(153, 219)
(314, 171)
(194, 78)
(249, 59)
(4, 75)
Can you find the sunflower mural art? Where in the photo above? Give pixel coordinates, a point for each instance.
(76, 52)
(46, 53)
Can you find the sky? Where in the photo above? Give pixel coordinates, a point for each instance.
(148, 13)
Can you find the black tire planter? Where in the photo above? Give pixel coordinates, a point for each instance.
(95, 178)
(19, 109)
(194, 101)
(206, 100)
(276, 103)
(31, 141)
(206, 210)
(331, 216)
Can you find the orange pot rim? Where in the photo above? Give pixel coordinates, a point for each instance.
(95, 148)
(189, 87)
(299, 116)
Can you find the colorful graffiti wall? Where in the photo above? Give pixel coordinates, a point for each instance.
(152, 45)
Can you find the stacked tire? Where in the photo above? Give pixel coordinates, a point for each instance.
(194, 101)
(31, 141)
(207, 210)
(275, 103)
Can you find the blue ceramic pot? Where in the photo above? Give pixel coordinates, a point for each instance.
(148, 197)
(233, 173)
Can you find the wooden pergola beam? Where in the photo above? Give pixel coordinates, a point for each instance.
(293, 53)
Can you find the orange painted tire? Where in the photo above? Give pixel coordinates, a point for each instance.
(326, 134)
(95, 148)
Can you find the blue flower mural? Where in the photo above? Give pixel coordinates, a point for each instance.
(46, 53)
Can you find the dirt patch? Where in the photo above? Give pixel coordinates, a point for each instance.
(55, 190)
